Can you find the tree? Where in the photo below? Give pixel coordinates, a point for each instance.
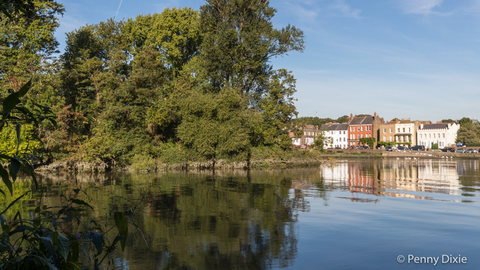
(448, 121)
(468, 134)
(239, 40)
(175, 33)
(465, 121)
(277, 109)
(369, 141)
(27, 39)
(217, 125)
(322, 141)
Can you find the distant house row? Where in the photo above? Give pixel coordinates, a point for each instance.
(401, 132)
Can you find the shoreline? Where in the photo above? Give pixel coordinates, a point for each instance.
(328, 157)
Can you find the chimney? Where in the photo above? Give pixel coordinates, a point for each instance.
(375, 115)
(439, 122)
(421, 126)
(329, 123)
(351, 117)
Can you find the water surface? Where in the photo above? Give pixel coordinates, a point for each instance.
(351, 215)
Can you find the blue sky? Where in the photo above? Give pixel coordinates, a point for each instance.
(416, 59)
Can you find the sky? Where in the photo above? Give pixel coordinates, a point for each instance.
(416, 59)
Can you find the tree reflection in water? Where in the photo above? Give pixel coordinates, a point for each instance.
(214, 222)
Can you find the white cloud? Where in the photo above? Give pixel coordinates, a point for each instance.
(305, 14)
(346, 10)
(422, 7)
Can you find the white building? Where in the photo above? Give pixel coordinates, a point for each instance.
(443, 134)
(338, 134)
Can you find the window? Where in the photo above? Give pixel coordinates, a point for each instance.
(403, 129)
(398, 129)
(439, 135)
(354, 136)
(361, 135)
(384, 138)
(361, 128)
(391, 139)
(444, 135)
(430, 136)
(384, 130)
(391, 131)
(434, 135)
(409, 130)
(420, 136)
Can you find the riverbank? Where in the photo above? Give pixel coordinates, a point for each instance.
(260, 163)
(329, 156)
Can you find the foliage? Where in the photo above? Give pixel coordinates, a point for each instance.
(368, 141)
(46, 240)
(322, 141)
(468, 134)
(277, 109)
(465, 121)
(174, 33)
(386, 144)
(435, 146)
(448, 121)
(216, 126)
(239, 40)
(8, 140)
(316, 121)
(27, 39)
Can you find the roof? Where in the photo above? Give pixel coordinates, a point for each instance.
(364, 120)
(334, 126)
(435, 126)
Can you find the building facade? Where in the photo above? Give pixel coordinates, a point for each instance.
(363, 126)
(443, 134)
(387, 132)
(337, 134)
(310, 134)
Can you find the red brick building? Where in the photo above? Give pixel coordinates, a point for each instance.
(363, 126)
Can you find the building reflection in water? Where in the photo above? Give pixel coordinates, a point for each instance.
(396, 178)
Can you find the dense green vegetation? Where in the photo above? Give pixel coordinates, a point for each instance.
(197, 85)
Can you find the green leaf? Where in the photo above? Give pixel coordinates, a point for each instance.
(118, 217)
(18, 129)
(63, 246)
(80, 202)
(10, 102)
(55, 239)
(6, 180)
(97, 239)
(15, 165)
(15, 201)
(25, 88)
(20, 228)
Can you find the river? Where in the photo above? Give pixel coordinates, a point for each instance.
(354, 214)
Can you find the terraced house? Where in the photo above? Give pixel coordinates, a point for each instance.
(337, 133)
(363, 126)
(442, 134)
(310, 133)
(406, 131)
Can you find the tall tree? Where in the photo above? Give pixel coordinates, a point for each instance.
(26, 39)
(239, 41)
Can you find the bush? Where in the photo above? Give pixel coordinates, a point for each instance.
(143, 162)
